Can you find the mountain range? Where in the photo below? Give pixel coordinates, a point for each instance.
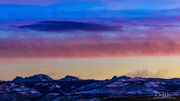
(70, 88)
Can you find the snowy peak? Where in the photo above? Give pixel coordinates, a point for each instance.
(70, 78)
(40, 77)
(120, 77)
(18, 79)
(34, 78)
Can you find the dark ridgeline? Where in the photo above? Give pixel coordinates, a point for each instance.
(69, 78)
(34, 78)
(41, 87)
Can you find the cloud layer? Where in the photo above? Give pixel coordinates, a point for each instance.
(66, 26)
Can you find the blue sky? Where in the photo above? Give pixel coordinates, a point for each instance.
(36, 9)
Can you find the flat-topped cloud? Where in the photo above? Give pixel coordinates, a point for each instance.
(66, 26)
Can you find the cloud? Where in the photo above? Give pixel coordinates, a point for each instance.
(141, 4)
(66, 26)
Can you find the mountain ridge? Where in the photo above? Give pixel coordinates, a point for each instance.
(40, 78)
(71, 88)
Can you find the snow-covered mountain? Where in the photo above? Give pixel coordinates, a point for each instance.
(70, 87)
(69, 78)
(34, 78)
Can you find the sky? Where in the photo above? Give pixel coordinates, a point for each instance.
(51, 9)
(93, 39)
(100, 4)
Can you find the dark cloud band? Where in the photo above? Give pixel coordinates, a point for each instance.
(66, 26)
